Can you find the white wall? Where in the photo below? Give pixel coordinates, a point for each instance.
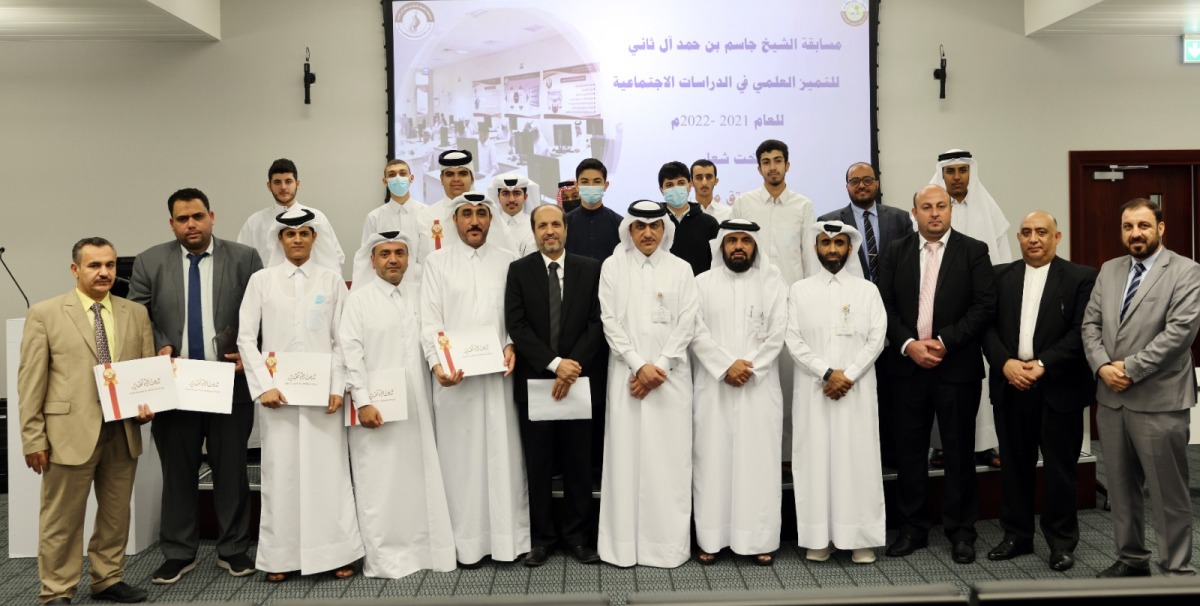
(97, 135)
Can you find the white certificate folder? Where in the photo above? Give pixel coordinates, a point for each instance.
(204, 386)
(543, 406)
(389, 395)
(302, 378)
(125, 385)
(475, 351)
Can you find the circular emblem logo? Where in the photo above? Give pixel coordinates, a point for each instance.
(414, 20)
(854, 12)
(444, 342)
(437, 229)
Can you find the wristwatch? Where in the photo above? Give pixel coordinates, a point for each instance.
(828, 373)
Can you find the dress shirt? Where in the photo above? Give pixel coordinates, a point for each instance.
(1148, 263)
(1031, 299)
(206, 302)
(858, 220)
(924, 258)
(785, 223)
(106, 316)
(718, 211)
(393, 216)
(553, 365)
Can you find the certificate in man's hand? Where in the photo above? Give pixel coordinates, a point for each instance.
(475, 351)
(543, 406)
(204, 386)
(302, 378)
(388, 393)
(124, 385)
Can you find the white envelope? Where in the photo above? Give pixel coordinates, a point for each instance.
(389, 394)
(543, 406)
(475, 351)
(204, 386)
(124, 385)
(302, 378)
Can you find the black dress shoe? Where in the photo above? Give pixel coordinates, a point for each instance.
(905, 545)
(537, 556)
(122, 592)
(584, 554)
(1010, 548)
(1121, 569)
(963, 552)
(1062, 560)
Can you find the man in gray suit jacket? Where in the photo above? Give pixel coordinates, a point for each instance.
(193, 287)
(887, 225)
(1137, 335)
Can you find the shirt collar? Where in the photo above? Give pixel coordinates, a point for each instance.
(944, 239)
(828, 277)
(467, 252)
(547, 260)
(1148, 262)
(209, 251)
(87, 301)
(304, 270)
(387, 287)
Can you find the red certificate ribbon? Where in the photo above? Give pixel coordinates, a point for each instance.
(444, 343)
(353, 414)
(110, 380)
(436, 234)
(271, 363)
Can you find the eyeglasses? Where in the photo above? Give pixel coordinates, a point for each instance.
(868, 181)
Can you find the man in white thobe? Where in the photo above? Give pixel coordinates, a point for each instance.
(648, 303)
(475, 418)
(261, 231)
(395, 461)
(308, 522)
(786, 217)
(836, 329)
(976, 214)
(400, 213)
(738, 401)
(518, 196)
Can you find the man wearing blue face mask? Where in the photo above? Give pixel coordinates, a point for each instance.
(400, 212)
(593, 227)
(693, 228)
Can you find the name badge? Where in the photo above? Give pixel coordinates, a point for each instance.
(756, 321)
(842, 327)
(661, 314)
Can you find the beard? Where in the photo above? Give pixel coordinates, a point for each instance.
(834, 266)
(738, 266)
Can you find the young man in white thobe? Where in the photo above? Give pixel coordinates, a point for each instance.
(517, 196)
(395, 461)
(738, 402)
(261, 231)
(786, 217)
(648, 303)
(308, 523)
(475, 418)
(435, 223)
(836, 329)
(400, 213)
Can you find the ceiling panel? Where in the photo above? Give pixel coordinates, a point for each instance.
(92, 20)
(1130, 18)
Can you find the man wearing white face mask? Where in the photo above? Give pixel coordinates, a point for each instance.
(693, 228)
(593, 226)
(400, 212)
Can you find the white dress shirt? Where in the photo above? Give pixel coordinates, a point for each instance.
(206, 303)
(1031, 299)
(785, 223)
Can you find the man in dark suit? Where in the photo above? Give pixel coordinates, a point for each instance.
(193, 287)
(552, 311)
(940, 294)
(1040, 386)
(1138, 331)
(63, 433)
(880, 225)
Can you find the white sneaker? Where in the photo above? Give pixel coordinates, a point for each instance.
(819, 555)
(863, 556)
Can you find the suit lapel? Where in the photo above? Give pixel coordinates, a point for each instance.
(79, 317)
(568, 283)
(1050, 300)
(1148, 282)
(218, 277)
(949, 257)
(121, 319)
(174, 271)
(848, 219)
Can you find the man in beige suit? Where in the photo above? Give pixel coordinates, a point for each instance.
(63, 432)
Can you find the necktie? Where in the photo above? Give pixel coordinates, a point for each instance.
(928, 288)
(195, 319)
(101, 335)
(1138, 270)
(555, 305)
(872, 248)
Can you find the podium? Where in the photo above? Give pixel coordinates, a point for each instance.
(24, 493)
